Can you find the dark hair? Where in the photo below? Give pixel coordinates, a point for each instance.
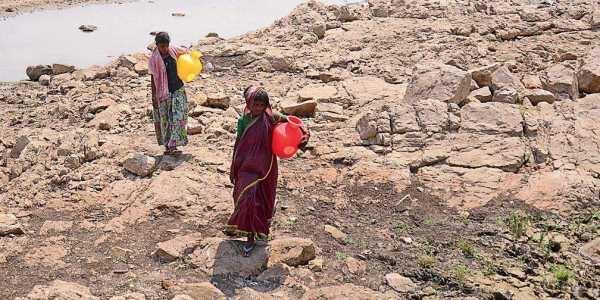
(162, 38)
(262, 96)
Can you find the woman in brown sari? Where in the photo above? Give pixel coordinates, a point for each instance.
(254, 169)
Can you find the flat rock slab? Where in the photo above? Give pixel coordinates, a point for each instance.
(9, 225)
(171, 250)
(216, 256)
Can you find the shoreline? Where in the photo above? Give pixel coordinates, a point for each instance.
(13, 8)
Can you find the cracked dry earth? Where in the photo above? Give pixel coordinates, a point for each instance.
(454, 154)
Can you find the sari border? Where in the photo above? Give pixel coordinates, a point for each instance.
(233, 230)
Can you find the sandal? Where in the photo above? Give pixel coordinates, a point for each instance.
(248, 249)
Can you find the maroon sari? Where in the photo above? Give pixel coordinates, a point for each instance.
(254, 172)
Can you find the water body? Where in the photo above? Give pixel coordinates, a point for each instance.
(52, 36)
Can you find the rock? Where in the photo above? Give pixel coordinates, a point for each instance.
(35, 72)
(276, 273)
(216, 256)
(319, 29)
(317, 92)
(502, 78)
(590, 250)
(474, 85)
(345, 291)
(538, 95)
(110, 117)
(55, 227)
(303, 109)
(59, 289)
(332, 117)
(438, 82)
(88, 28)
(140, 164)
(217, 100)
(183, 297)
(128, 61)
(194, 127)
(44, 80)
(336, 233)
(531, 81)
(506, 95)
(171, 250)
(433, 115)
(141, 68)
(316, 264)
(491, 118)
(347, 14)
(58, 69)
(9, 225)
(355, 266)
(212, 35)
(100, 105)
(91, 73)
(130, 296)
(178, 14)
(561, 80)
(291, 251)
(483, 94)
(19, 146)
(589, 73)
(400, 283)
(199, 291)
(483, 75)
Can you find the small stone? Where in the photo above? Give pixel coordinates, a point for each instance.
(101, 105)
(316, 264)
(532, 81)
(59, 289)
(291, 251)
(517, 273)
(217, 100)
(55, 227)
(304, 109)
(356, 266)
(591, 250)
(483, 94)
(275, 273)
(45, 80)
(212, 35)
(178, 14)
(336, 233)
(400, 283)
(406, 240)
(88, 28)
(506, 95)
(9, 225)
(140, 164)
(203, 290)
(130, 296)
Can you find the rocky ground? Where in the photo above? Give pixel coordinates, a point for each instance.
(454, 154)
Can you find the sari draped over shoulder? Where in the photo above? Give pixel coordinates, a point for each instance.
(254, 172)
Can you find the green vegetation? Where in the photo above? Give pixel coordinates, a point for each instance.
(467, 249)
(400, 227)
(341, 255)
(562, 274)
(427, 261)
(460, 273)
(517, 224)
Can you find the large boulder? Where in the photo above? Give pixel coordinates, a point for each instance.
(291, 251)
(317, 92)
(35, 72)
(173, 249)
(58, 69)
(9, 225)
(60, 290)
(561, 80)
(439, 82)
(589, 73)
(216, 256)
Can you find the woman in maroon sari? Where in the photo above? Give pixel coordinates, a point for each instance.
(254, 169)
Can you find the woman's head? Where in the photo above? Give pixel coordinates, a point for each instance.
(162, 41)
(257, 100)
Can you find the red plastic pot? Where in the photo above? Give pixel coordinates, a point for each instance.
(286, 137)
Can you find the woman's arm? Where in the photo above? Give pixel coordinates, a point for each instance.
(153, 87)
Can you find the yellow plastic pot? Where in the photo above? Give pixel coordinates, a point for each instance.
(189, 65)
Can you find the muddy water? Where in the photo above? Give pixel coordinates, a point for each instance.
(52, 36)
